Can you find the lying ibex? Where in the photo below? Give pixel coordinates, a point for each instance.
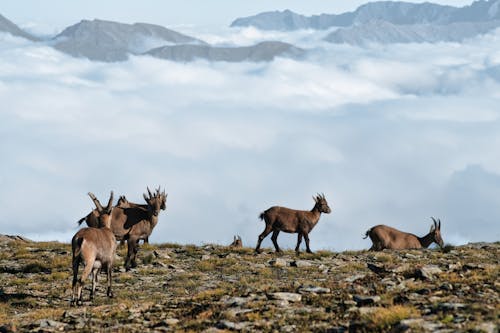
(292, 221)
(384, 237)
(96, 248)
(237, 242)
(136, 223)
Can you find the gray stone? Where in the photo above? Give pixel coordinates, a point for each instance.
(487, 327)
(427, 272)
(353, 278)
(278, 262)
(290, 297)
(301, 263)
(365, 300)
(314, 289)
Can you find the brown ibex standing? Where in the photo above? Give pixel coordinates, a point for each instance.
(384, 237)
(292, 221)
(132, 222)
(96, 248)
(136, 223)
(237, 242)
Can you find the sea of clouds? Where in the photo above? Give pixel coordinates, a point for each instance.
(391, 134)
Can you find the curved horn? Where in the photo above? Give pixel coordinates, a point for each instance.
(149, 192)
(435, 222)
(439, 224)
(96, 202)
(110, 202)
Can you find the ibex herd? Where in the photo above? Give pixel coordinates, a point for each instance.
(129, 222)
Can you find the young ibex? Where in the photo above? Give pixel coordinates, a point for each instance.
(96, 248)
(292, 221)
(384, 237)
(237, 242)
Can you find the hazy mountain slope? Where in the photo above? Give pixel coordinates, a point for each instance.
(391, 11)
(384, 32)
(9, 27)
(265, 51)
(113, 41)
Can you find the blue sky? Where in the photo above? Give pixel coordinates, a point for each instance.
(390, 134)
(57, 14)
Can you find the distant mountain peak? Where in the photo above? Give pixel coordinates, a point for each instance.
(113, 41)
(11, 28)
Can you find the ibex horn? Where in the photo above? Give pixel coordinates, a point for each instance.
(110, 202)
(96, 202)
(434, 220)
(150, 195)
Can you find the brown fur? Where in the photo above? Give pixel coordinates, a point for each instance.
(95, 247)
(385, 237)
(133, 222)
(237, 242)
(292, 221)
(136, 223)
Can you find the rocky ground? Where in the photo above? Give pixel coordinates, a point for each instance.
(215, 288)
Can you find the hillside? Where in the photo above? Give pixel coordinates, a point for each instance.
(214, 288)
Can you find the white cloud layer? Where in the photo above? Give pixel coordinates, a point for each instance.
(391, 135)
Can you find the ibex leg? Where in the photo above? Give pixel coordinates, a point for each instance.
(306, 237)
(263, 235)
(274, 238)
(299, 240)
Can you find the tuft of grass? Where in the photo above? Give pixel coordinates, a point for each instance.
(447, 248)
(382, 318)
(210, 294)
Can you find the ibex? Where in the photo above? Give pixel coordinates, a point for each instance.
(96, 248)
(237, 242)
(292, 221)
(124, 203)
(384, 237)
(136, 223)
(133, 222)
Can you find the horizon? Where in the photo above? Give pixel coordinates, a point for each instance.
(46, 18)
(392, 134)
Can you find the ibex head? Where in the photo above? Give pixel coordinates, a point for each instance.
(321, 204)
(436, 232)
(157, 201)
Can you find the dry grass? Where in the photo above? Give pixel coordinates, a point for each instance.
(382, 318)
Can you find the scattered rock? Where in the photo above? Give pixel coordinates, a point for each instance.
(355, 277)
(278, 262)
(427, 272)
(487, 327)
(365, 300)
(301, 263)
(232, 326)
(284, 296)
(314, 290)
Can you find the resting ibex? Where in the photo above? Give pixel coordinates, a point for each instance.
(292, 221)
(96, 248)
(384, 237)
(237, 242)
